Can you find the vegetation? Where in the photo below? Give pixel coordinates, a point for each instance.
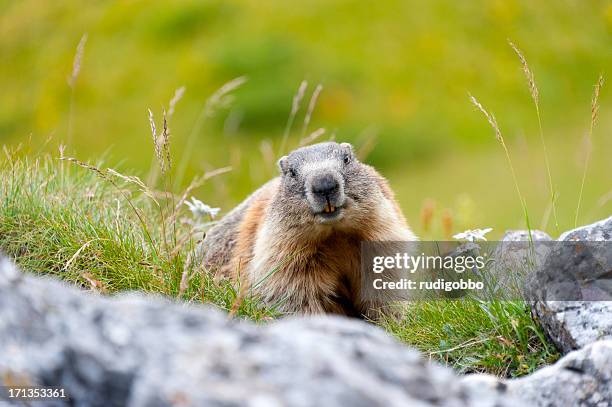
(98, 229)
(497, 337)
(109, 232)
(394, 78)
(405, 108)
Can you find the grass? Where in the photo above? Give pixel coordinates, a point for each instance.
(408, 97)
(76, 68)
(497, 337)
(403, 85)
(104, 234)
(535, 96)
(109, 233)
(498, 135)
(594, 113)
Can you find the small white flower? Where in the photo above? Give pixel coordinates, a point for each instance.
(471, 235)
(200, 209)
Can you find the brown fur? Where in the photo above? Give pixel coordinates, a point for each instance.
(247, 231)
(307, 267)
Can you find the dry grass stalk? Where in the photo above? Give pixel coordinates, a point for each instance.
(498, 135)
(546, 216)
(166, 142)
(490, 118)
(210, 174)
(161, 143)
(182, 242)
(76, 254)
(78, 58)
(156, 145)
(195, 183)
(595, 100)
(297, 99)
(96, 285)
(312, 137)
(295, 107)
(535, 95)
(607, 197)
(76, 69)
(594, 114)
(9, 156)
(368, 139)
(311, 107)
(103, 174)
(132, 179)
(242, 293)
(178, 95)
(533, 89)
(221, 98)
(185, 277)
(267, 153)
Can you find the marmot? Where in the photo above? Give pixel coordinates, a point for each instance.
(296, 240)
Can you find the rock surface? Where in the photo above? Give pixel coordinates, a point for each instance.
(596, 232)
(523, 236)
(582, 378)
(511, 267)
(574, 324)
(136, 350)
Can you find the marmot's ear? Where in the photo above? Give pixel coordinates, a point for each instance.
(282, 164)
(348, 147)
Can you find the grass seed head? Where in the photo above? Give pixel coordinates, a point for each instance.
(595, 100)
(297, 99)
(490, 118)
(178, 95)
(222, 98)
(78, 58)
(533, 88)
(311, 107)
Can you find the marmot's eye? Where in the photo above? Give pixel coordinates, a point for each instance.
(292, 172)
(346, 159)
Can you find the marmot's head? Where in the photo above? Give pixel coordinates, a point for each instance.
(323, 184)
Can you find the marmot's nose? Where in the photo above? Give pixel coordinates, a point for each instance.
(325, 185)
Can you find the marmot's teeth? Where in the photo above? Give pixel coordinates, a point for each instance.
(329, 208)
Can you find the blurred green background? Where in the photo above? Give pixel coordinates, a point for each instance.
(395, 79)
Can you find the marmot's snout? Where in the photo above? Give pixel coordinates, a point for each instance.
(325, 194)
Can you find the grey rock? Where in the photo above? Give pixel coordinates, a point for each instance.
(513, 251)
(574, 324)
(136, 350)
(583, 275)
(596, 232)
(523, 236)
(515, 262)
(575, 271)
(582, 378)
